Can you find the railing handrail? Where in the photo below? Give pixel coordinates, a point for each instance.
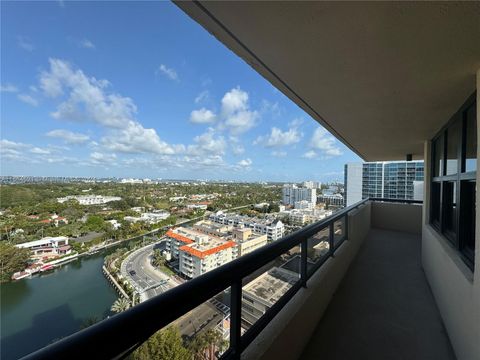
(132, 327)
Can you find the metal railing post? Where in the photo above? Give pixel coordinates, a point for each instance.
(303, 263)
(235, 318)
(346, 228)
(331, 243)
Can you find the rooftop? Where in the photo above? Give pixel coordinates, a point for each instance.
(270, 286)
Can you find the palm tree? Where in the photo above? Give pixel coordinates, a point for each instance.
(121, 304)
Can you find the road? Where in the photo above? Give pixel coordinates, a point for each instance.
(147, 280)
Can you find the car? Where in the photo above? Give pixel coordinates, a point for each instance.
(132, 272)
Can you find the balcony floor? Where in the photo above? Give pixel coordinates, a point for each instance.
(383, 309)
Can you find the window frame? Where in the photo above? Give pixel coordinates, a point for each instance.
(457, 238)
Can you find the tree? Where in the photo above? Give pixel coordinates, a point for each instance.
(12, 259)
(165, 344)
(203, 346)
(95, 223)
(158, 259)
(121, 304)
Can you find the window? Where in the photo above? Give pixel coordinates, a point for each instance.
(453, 187)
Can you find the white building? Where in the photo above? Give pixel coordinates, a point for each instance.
(89, 199)
(198, 253)
(48, 246)
(305, 216)
(115, 224)
(304, 204)
(292, 194)
(335, 199)
(272, 227)
(312, 184)
(150, 217)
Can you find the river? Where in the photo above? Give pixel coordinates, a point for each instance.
(39, 310)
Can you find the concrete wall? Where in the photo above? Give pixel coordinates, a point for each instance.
(455, 287)
(397, 217)
(289, 332)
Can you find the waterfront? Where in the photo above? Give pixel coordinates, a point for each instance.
(37, 311)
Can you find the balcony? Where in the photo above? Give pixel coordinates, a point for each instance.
(364, 296)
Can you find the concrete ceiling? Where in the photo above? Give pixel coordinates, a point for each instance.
(381, 77)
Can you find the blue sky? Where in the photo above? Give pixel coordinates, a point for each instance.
(140, 90)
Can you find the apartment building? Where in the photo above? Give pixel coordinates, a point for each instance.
(272, 227)
(197, 252)
(247, 240)
(212, 228)
(291, 193)
(335, 199)
(304, 204)
(383, 179)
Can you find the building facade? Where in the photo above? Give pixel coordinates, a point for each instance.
(273, 228)
(248, 241)
(384, 179)
(197, 252)
(293, 193)
(53, 246)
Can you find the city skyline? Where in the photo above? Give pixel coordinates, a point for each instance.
(149, 103)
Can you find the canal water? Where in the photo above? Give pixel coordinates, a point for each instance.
(37, 311)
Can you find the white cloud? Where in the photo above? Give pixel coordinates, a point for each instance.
(310, 154)
(278, 137)
(236, 146)
(89, 100)
(203, 96)
(245, 162)
(238, 118)
(39, 151)
(9, 88)
(134, 138)
(68, 137)
(168, 72)
(279, 153)
(295, 123)
(25, 43)
(325, 143)
(86, 44)
(207, 143)
(30, 100)
(202, 116)
(97, 158)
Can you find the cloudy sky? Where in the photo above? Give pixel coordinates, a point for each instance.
(140, 90)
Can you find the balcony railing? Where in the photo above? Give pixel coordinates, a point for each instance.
(118, 336)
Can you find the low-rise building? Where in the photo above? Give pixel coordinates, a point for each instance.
(197, 252)
(304, 204)
(248, 241)
(89, 199)
(263, 292)
(115, 224)
(211, 228)
(273, 227)
(334, 199)
(48, 246)
(150, 218)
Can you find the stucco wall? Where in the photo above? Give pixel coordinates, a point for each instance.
(289, 332)
(455, 287)
(397, 217)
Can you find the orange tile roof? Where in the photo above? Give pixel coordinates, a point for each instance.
(202, 254)
(179, 237)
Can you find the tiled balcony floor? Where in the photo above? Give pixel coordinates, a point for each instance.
(383, 309)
